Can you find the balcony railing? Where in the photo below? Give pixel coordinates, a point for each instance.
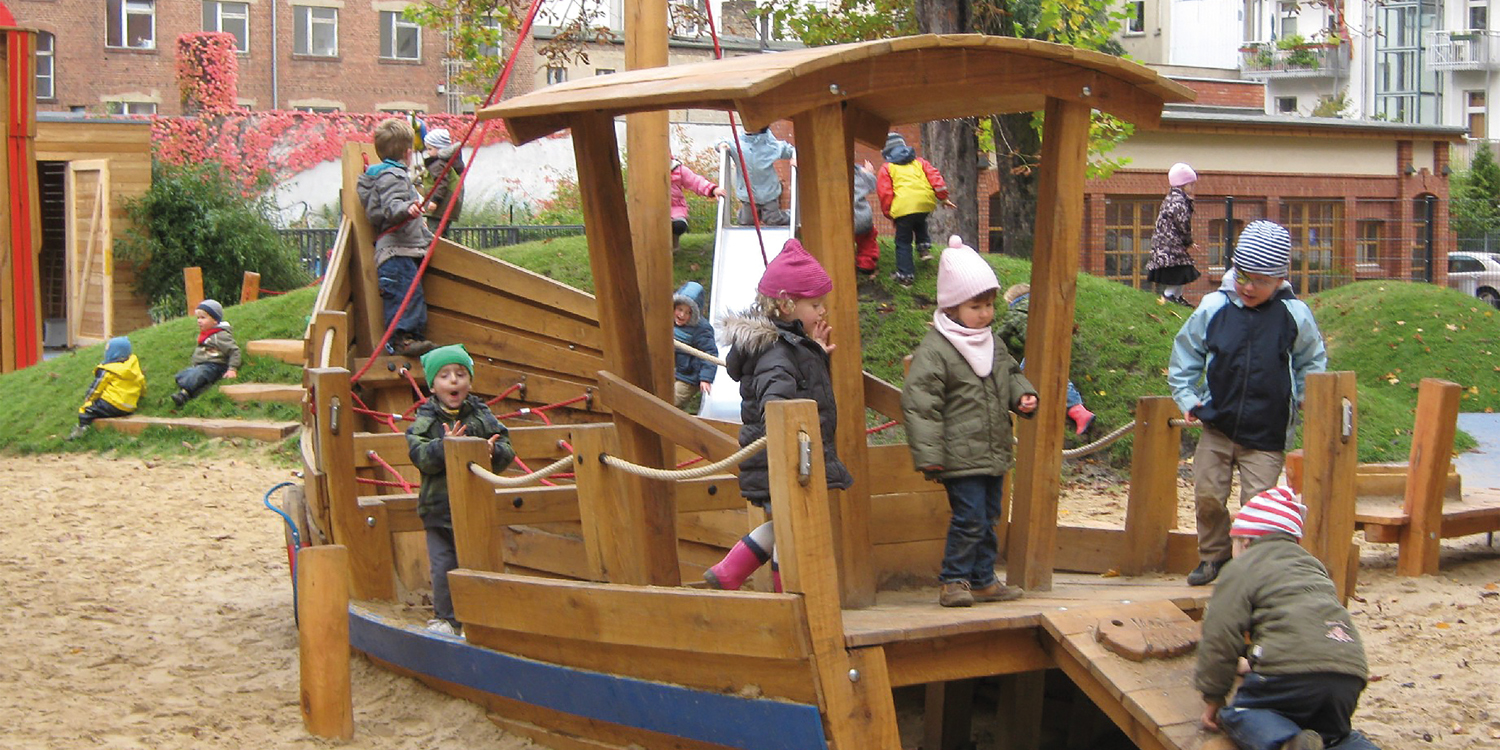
(1265, 60)
(1474, 49)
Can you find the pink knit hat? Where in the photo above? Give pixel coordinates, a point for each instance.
(962, 275)
(794, 273)
(1181, 174)
(1275, 510)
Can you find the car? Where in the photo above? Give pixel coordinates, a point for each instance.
(1477, 274)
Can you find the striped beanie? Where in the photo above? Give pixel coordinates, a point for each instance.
(1265, 248)
(1277, 510)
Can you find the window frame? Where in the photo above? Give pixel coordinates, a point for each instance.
(302, 22)
(392, 23)
(1317, 262)
(1138, 227)
(1135, 18)
(556, 74)
(218, 22)
(51, 57)
(126, 106)
(117, 24)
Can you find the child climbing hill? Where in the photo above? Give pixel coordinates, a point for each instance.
(910, 189)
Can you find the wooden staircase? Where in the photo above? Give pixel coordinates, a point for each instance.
(231, 428)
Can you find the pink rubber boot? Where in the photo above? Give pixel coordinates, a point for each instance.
(1082, 418)
(730, 573)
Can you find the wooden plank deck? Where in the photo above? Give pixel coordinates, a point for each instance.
(1477, 513)
(240, 428)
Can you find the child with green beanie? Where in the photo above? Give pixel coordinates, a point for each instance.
(450, 411)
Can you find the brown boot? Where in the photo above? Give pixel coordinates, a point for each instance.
(996, 592)
(955, 594)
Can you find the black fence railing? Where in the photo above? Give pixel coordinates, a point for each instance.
(313, 244)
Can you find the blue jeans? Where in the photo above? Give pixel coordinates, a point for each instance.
(1268, 710)
(972, 547)
(199, 377)
(909, 228)
(396, 276)
(1074, 397)
(442, 556)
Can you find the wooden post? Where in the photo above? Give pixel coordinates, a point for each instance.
(604, 508)
(1054, 277)
(804, 543)
(612, 257)
(192, 282)
(824, 169)
(369, 316)
(250, 287)
(947, 718)
(323, 641)
(1294, 464)
(1019, 706)
(329, 339)
(1151, 512)
(471, 499)
(646, 150)
(363, 529)
(1427, 473)
(1330, 458)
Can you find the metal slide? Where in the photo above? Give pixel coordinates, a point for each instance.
(737, 269)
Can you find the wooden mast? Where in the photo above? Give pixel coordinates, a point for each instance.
(647, 155)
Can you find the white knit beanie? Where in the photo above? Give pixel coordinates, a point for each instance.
(1181, 174)
(962, 274)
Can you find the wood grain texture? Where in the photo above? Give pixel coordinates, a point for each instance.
(1151, 511)
(1431, 454)
(1330, 461)
(323, 641)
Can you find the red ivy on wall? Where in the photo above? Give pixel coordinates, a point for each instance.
(207, 72)
(275, 145)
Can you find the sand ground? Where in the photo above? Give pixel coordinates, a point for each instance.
(147, 605)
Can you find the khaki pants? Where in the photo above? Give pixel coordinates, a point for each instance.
(1213, 468)
(681, 392)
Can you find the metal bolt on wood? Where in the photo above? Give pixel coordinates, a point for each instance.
(854, 675)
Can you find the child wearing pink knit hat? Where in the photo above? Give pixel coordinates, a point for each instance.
(959, 393)
(779, 350)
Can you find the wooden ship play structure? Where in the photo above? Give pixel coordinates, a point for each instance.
(583, 626)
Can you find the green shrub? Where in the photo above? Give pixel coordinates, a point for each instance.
(196, 215)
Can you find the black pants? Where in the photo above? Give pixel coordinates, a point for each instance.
(100, 409)
(199, 377)
(1268, 710)
(442, 557)
(910, 229)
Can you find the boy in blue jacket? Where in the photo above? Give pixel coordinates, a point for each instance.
(1239, 365)
(693, 374)
(762, 150)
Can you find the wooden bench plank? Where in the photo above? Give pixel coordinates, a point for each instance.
(280, 392)
(291, 351)
(235, 428)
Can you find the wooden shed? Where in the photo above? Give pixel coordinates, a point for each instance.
(86, 168)
(20, 328)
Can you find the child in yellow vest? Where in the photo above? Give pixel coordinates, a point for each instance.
(117, 387)
(910, 188)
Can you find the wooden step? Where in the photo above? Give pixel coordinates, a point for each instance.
(1382, 521)
(287, 350)
(240, 428)
(243, 392)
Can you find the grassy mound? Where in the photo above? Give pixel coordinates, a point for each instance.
(40, 404)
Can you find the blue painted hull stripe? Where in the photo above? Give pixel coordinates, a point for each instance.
(752, 724)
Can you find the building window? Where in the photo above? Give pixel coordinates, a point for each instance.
(1128, 225)
(1475, 113)
(46, 73)
(130, 23)
(1479, 15)
(1367, 244)
(229, 18)
(1288, 18)
(604, 72)
(1286, 105)
(556, 74)
(491, 25)
(317, 32)
(130, 108)
(1218, 243)
(400, 39)
(1135, 17)
(1317, 248)
(317, 110)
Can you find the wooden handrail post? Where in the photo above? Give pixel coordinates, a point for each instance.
(1427, 474)
(250, 287)
(1151, 511)
(192, 283)
(613, 526)
(328, 339)
(1330, 458)
(361, 528)
(323, 641)
(804, 544)
(471, 500)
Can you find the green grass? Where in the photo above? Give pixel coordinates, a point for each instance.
(39, 405)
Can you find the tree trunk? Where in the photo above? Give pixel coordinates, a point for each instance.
(952, 145)
(1017, 147)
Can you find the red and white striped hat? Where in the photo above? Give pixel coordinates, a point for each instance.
(1278, 509)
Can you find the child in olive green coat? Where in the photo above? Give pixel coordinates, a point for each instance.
(959, 393)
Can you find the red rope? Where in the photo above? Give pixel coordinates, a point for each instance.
(744, 170)
(504, 393)
(405, 485)
(406, 372)
(390, 419)
(314, 283)
(527, 469)
(380, 482)
(539, 411)
(878, 428)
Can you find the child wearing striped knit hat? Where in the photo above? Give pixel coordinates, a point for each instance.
(1276, 608)
(1239, 365)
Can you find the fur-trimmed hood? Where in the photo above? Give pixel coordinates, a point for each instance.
(690, 294)
(751, 334)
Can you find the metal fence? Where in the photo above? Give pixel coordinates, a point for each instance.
(313, 245)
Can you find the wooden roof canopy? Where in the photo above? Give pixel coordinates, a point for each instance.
(884, 83)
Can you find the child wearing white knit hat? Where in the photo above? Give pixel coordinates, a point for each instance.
(957, 400)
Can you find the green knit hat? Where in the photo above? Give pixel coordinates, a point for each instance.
(453, 354)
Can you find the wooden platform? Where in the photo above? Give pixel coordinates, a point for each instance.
(291, 351)
(1382, 520)
(245, 392)
(236, 428)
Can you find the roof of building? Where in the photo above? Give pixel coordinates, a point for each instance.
(1196, 117)
(883, 83)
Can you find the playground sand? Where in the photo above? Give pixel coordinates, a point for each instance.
(147, 604)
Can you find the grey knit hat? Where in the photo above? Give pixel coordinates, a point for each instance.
(1265, 248)
(213, 308)
(894, 139)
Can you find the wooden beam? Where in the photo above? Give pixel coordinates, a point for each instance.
(646, 149)
(804, 541)
(616, 281)
(366, 532)
(323, 641)
(1019, 710)
(471, 500)
(825, 175)
(1151, 512)
(1330, 457)
(612, 526)
(883, 398)
(192, 283)
(1431, 452)
(958, 657)
(1054, 278)
(250, 287)
(948, 716)
(265, 431)
(328, 340)
(676, 425)
(369, 317)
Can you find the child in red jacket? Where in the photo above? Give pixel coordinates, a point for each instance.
(909, 188)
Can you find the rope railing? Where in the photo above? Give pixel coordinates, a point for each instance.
(881, 427)
(527, 469)
(405, 485)
(524, 479)
(699, 353)
(673, 475)
(1101, 443)
(504, 393)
